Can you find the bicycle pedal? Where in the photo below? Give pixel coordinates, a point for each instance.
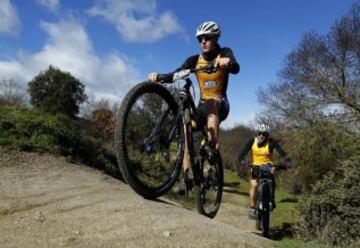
(209, 153)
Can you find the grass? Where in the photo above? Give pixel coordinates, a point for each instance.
(283, 218)
(296, 243)
(285, 213)
(237, 185)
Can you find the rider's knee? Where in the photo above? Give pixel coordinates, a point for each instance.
(253, 184)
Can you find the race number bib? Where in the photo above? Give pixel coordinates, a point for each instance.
(210, 85)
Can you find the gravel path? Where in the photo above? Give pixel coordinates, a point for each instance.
(48, 202)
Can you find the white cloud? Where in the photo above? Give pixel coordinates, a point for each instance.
(50, 4)
(68, 48)
(9, 19)
(137, 20)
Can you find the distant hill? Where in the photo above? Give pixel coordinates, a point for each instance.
(231, 141)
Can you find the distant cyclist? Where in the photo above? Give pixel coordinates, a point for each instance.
(261, 147)
(213, 106)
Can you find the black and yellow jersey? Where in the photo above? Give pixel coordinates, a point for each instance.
(212, 85)
(261, 155)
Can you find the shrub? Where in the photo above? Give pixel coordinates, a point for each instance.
(105, 121)
(315, 150)
(331, 213)
(33, 130)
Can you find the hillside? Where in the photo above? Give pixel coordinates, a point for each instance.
(48, 202)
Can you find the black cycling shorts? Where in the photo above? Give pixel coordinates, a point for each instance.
(223, 111)
(255, 172)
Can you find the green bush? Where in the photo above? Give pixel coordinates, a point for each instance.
(331, 213)
(33, 130)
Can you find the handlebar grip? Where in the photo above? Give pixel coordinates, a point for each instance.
(165, 78)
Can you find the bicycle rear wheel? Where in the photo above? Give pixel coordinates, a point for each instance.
(209, 181)
(149, 140)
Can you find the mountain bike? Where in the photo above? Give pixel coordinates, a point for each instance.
(264, 194)
(149, 138)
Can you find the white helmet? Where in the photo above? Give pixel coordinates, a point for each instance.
(263, 128)
(208, 28)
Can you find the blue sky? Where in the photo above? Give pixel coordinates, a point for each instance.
(111, 45)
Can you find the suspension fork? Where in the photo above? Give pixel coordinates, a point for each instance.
(179, 116)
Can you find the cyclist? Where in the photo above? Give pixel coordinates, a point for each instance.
(213, 106)
(262, 147)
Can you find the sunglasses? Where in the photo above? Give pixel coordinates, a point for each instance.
(263, 134)
(205, 38)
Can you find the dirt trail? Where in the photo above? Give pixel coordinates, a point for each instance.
(234, 211)
(47, 202)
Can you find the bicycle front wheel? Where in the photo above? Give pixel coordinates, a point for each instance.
(209, 181)
(265, 212)
(149, 140)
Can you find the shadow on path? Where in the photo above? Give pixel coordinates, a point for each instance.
(279, 233)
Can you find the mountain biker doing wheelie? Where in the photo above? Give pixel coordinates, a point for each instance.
(262, 147)
(213, 106)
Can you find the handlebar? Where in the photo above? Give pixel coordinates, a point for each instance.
(278, 166)
(183, 74)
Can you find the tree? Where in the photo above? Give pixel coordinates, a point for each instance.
(316, 150)
(231, 141)
(11, 93)
(55, 91)
(103, 117)
(321, 77)
(316, 104)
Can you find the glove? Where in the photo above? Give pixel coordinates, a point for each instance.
(237, 164)
(288, 163)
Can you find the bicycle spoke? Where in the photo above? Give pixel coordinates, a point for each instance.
(151, 158)
(210, 189)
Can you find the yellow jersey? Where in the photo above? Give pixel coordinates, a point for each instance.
(211, 84)
(261, 155)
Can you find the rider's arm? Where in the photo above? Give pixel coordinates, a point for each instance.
(167, 78)
(245, 149)
(233, 66)
(189, 63)
(275, 145)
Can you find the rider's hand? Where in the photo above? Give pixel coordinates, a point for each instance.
(238, 164)
(152, 77)
(241, 163)
(288, 163)
(222, 62)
